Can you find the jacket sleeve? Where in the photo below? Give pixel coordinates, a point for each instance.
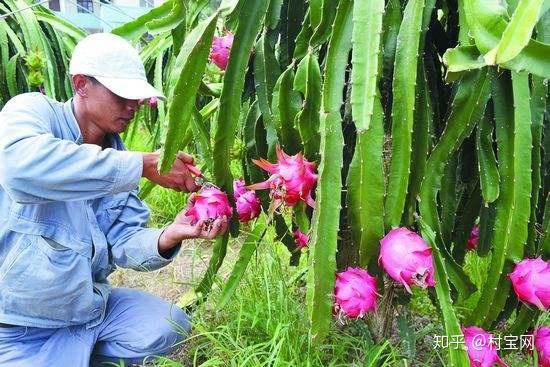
(132, 245)
(36, 167)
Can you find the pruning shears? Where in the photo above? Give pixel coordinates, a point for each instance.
(200, 180)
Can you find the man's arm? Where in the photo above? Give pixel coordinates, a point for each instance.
(134, 246)
(37, 167)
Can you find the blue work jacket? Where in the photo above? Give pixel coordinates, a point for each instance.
(69, 214)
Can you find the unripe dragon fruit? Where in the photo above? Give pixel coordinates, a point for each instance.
(209, 204)
(219, 53)
(407, 258)
(481, 348)
(542, 344)
(246, 201)
(292, 178)
(474, 238)
(301, 239)
(531, 282)
(355, 292)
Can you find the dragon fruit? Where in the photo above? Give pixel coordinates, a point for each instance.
(355, 292)
(219, 53)
(153, 101)
(246, 201)
(209, 204)
(542, 344)
(481, 348)
(474, 238)
(292, 178)
(301, 239)
(531, 282)
(407, 258)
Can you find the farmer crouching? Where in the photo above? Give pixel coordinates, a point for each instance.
(69, 214)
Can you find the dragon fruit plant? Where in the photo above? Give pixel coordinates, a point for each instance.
(292, 179)
(210, 203)
(246, 201)
(531, 282)
(387, 153)
(221, 47)
(407, 258)
(481, 348)
(355, 292)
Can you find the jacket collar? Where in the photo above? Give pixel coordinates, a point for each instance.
(72, 123)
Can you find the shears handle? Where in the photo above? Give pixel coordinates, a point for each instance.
(195, 171)
(200, 180)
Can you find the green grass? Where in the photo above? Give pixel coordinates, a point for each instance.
(265, 324)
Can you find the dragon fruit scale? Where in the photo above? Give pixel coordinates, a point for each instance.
(542, 344)
(473, 238)
(301, 239)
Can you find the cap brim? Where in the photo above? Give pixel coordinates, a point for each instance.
(130, 88)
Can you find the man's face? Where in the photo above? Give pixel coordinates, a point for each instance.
(108, 111)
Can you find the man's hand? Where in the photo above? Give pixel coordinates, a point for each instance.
(182, 229)
(179, 178)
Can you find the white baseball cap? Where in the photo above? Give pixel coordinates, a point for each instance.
(114, 63)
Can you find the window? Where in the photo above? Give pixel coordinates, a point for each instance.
(54, 5)
(85, 6)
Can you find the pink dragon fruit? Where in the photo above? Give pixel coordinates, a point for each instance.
(542, 344)
(292, 178)
(474, 238)
(355, 292)
(531, 282)
(153, 101)
(407, 258)
(481, 348)
(208, 205)
(301, 239)
(246, 201)
(221, 46)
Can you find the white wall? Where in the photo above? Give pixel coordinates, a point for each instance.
(70, 7)
(126, 2)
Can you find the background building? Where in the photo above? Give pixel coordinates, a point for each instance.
(101, 15)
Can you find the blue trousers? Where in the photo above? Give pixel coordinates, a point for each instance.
(136, 325)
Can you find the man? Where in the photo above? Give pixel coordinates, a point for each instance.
(69, 213)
